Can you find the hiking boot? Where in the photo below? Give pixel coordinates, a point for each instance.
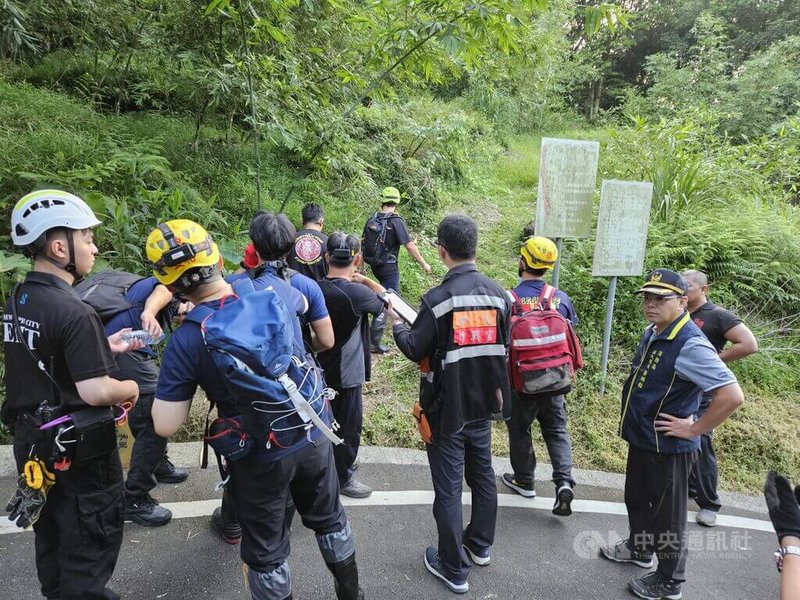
(434, 565)
(706, 517)
(355, 489)
(654, 586)
(563, 504)
(523, 489)
(144, 510)
(231, 532)
(621, 552)
(166, 472)
(478, 557)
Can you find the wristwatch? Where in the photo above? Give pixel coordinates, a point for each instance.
(783, 552)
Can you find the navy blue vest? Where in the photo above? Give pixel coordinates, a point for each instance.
(653, 386)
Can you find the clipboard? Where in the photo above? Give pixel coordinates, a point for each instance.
(403, 309)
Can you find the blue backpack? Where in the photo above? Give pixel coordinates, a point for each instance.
(279, 393)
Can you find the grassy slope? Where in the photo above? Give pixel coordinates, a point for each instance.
(763, 433)
(47, 131)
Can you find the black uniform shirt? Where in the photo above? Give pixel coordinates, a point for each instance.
(714, 321)
(347, 364)
(65, 332)
(307, 256)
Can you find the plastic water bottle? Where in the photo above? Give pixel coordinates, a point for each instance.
(141, 335)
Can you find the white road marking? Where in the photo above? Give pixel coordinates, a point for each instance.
(204, 508)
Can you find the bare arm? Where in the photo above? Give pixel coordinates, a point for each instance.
(790, 577)
(105, 391)
(323, 334)
(169, 416)
(370, 283)
(157, 301)
(743, 343)
(414, 252)
(725, 401)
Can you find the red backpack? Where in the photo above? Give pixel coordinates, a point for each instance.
(544, 351)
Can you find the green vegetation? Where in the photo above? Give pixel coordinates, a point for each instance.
(154, 110)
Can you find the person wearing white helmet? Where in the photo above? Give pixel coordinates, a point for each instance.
(58, 363)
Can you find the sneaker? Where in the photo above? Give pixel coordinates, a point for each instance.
(563, 504)
(166, 472)
(434, 565)
(523, 489)
(355, 489)
(622, 553)
(654, 586)
(144, 510)
(478, 557)
(230, 532)
(706, 517)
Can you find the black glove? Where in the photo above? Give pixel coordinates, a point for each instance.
(783, 505)
(26, 505)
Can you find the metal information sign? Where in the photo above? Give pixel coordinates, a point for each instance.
(622, 228)
(567, 176)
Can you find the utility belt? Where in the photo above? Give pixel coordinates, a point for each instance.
(60, 438)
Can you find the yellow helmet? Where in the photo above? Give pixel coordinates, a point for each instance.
(539, 252)
(176, 246)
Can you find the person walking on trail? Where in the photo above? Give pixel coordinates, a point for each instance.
(59, 362)
(460, 339)
(384, 233)
(537, 256)
(672, 366)
(186, 260)
(351, 298)
(126, 300)
(720, 326)
(307, 255)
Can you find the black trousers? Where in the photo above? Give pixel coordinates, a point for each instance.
(656, 496)
(703, 479)
(348, 410)
(388, 276)
(79, 533)
(466, 454)
(149, 448)
(260, 492)
(552, 416)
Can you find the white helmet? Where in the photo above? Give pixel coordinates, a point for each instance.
(38, 212)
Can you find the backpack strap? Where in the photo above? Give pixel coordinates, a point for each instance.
(546, 297)
(516, 304)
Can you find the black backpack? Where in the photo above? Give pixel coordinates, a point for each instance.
(373, 242)
(106, 291)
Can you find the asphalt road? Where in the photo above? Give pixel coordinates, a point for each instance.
(536, 555)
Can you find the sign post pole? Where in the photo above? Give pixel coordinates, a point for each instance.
(620, 244)
(612, 291)
(557, 267)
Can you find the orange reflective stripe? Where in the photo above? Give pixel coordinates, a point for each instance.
(467, 319)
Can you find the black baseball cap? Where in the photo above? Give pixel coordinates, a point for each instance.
(664, 282)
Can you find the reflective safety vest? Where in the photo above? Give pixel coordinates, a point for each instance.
(466, 378)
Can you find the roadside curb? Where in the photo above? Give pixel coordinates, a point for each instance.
(188, 453)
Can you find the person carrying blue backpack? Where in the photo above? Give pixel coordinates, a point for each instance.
(239, 345)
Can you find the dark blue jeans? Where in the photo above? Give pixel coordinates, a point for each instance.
(552, 416)
(452, 457)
